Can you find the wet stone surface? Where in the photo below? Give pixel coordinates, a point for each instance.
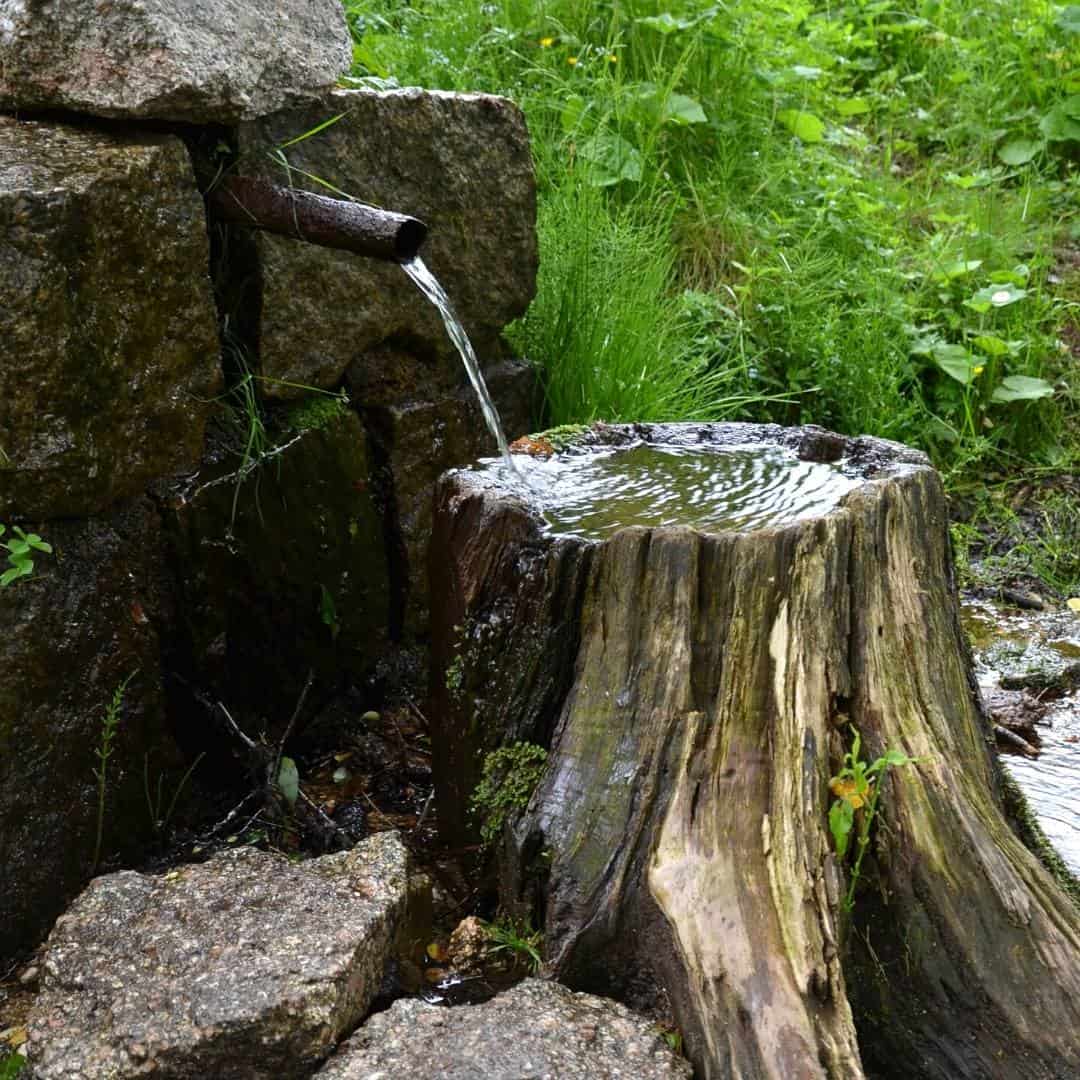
(537, 1029)
(90, 616)
(460, 163)
(105, 303)
(242, 967)
(209, 61)
(1029, 662)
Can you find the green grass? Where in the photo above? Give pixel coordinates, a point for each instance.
(852, 214)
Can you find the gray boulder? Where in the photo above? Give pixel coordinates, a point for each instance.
(461, 163)
(200, 61)
(108, 325)
(539, 1030)
(243, 967)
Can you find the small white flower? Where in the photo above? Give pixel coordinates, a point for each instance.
(1002, 296)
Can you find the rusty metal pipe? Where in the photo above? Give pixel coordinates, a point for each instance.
(334, 223)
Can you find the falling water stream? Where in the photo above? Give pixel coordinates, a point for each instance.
(429, 285)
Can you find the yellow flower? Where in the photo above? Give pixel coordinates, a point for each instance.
(572, 61)
(612, 58)
(977, 370)
(546, 42)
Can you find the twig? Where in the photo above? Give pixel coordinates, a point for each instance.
(290, 725)
(328, 821)
(424, 812)
(236, 730)
(229, 816)
(416, 709)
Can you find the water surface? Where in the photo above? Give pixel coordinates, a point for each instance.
(711, 488)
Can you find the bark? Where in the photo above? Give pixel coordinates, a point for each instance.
(701, 691)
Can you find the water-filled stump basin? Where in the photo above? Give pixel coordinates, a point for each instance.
(696, 686)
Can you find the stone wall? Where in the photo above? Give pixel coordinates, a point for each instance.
(218, 527)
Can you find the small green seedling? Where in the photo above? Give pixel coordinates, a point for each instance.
(20, 559)
(109, 726)
(857, 789)
(520, 940)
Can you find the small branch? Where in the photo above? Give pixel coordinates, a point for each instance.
(252, 746)
(275, 772)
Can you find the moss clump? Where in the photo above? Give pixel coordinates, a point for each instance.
(511, 774)
(562, 436)
(316, 412)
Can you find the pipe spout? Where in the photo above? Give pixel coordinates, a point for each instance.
(334, 223)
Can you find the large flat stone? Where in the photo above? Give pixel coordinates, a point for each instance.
(243, 967)
(461, 163)
(537, 1029)
(199, 61)
(89, 616)
(107, 324)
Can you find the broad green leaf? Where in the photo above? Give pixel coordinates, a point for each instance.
(611, 159)
(1019, 151)
(841, 815)
(853, 106)
(680, 109)
(996, 296)
(805, 126)
(956, 362)
(1061, 124)
(1069, 19)
(992, 345)
(896, 757)
(953, 270)
(1022, 388)
(288, 780)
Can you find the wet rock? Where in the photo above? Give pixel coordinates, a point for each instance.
(105, 313)
(1036, 665)
(242, 967)
(459, 162)
(469, 946)
(416, 441)
(88, 617)
(281, 569)
(213, 61)
(537, 1029)
(1014, 709)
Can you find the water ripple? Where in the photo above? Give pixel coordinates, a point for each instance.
(713, 489)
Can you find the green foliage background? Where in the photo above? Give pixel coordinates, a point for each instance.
(862, 215)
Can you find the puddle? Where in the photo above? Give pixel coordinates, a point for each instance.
(1038, 652)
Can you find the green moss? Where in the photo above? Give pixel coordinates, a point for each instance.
(511, 774)
(562, 436)
(316, 412)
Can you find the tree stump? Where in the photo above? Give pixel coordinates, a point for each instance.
(695, 693)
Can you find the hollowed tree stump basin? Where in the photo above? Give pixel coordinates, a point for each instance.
(696, 689)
